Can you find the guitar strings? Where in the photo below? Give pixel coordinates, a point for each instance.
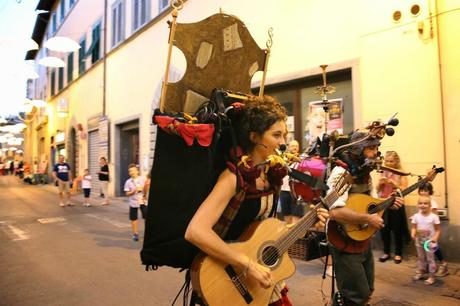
(285, 241)
(303, 226)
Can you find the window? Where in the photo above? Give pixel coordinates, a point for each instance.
(71, 3)
(53, 81)
(53, 23)
(61, 78)
(141, 13)
(81, 56)
(62, 10)
(95, 47)
(69, 68)
(117, 23)
(162, 5)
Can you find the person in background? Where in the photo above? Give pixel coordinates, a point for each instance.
(86, 186)
(63, 176)
(291, 211)
(425, 231)
(147, 188)
(395, 219)
(103, 176)
(427, 190)
(134, 187)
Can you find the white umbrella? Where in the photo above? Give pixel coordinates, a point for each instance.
(61, 44)
(51, 61)
(38, 103)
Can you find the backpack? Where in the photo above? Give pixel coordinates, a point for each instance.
(182, 176)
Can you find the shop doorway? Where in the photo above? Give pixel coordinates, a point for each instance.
(128, 152)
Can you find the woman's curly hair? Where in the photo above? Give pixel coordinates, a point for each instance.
(257, 115)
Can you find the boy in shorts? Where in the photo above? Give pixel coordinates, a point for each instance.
(134, 187)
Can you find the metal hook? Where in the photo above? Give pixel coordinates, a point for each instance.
(269, 43)
(177, 4)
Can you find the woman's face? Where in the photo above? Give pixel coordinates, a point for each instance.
(293, 147)
(390, 161)
(271, 139)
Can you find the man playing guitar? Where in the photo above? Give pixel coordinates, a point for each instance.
(354, 268)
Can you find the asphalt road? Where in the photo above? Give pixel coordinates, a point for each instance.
(78, 255)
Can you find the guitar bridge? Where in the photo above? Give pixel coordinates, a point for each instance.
(239, 285)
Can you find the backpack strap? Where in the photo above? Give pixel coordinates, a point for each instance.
(222, 226)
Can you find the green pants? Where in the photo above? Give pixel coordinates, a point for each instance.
(354, 275)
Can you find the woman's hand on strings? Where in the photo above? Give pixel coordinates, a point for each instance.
(260, 273)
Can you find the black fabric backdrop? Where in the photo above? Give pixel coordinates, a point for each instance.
(181, 178)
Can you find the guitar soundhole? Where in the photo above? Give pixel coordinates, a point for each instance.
(270, 255)
(371, 208)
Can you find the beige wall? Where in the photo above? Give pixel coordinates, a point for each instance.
(395, 69)
(449, 36)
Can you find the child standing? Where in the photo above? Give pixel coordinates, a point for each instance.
(427, 190)
(134, 187)
(425, 227)
(86, 186)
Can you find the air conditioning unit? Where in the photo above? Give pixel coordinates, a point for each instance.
(442, 212)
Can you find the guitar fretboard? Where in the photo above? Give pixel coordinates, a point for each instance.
(306, 222)
(389, 202)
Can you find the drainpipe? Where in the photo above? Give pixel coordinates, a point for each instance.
(441, 92)
(104, 62)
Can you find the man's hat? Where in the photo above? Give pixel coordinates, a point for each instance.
(371, 140)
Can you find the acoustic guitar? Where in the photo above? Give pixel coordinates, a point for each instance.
(353, 238)
(265, 242)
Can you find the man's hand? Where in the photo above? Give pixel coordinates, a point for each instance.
(323, 216)
(398, 203)
(374, 220)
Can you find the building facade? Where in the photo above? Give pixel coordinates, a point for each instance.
(384, 57)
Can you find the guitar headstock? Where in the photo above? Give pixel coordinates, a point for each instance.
(343, 183)
(433, 172)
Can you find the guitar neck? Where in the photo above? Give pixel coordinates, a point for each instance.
(389, 202)
(306, 222)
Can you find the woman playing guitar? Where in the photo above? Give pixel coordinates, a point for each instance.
(245, 192)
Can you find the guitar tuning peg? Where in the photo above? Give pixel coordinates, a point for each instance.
(390, 131)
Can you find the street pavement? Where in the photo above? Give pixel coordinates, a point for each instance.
(78, 255)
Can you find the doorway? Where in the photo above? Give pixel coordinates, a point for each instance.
(128, 148)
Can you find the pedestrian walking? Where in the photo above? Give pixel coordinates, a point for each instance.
(86, 186)
(103, 176)
(63, 177)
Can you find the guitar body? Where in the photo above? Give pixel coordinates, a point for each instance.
(212, 281)
(361, 203)
(353, 238)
